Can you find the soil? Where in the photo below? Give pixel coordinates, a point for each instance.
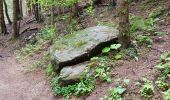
(135, 71)
(15, 84)
(18, 85)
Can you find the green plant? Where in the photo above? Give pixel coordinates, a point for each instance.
(86, 85)
(165, 57)
(159, 33)
(154, 14)
(48, 33)
(162, 85)
(90, 9)
(147, 89)
(118, 56)
(167, 95)
(50, 70)
(141, 39)
(115, 93)
(132, 52)
(106, 50)
(137, 23)
(102, 70)
(65, 91)
(164, 66)
(112, 47)
(115, 46)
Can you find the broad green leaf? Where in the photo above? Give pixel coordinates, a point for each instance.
(115, 46)
(106, 50)
(118, 56)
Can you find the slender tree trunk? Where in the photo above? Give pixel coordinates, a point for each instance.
(52, 15)
(18, 9)
(2, 20)
(15, 19)
(114, 3)
(75, 10)
(6, 12)
(123, 12)
(21, 10)
(37, 11)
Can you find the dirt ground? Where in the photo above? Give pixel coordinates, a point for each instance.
(18, 85)
(135, 71)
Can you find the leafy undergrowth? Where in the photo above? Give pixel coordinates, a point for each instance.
(37, 48)
(164, 76)
(162, 82)
(100, 67)
(37, 43)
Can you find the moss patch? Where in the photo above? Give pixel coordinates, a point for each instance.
(76, 40)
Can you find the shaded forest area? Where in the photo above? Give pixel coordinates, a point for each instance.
(85, 50)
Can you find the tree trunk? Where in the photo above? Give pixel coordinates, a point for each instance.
(21, 10)
(19, 16)
(15, 19)
(2, 21)
(36, 11)
(6, 12)
(76, 10)
(52, 15)
(123, 12)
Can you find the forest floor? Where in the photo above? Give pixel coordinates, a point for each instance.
(15, 84)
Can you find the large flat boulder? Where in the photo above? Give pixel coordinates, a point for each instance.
(80, 46)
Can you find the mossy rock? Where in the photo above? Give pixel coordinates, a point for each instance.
(80, 46)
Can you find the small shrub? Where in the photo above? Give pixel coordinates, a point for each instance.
(162, 85)
(101, 69)
(167, 95)
(141, 39)
(115, 93)
(159, 33)
(147, 89)
(50, 70)
(86, 85)
(164, 66)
